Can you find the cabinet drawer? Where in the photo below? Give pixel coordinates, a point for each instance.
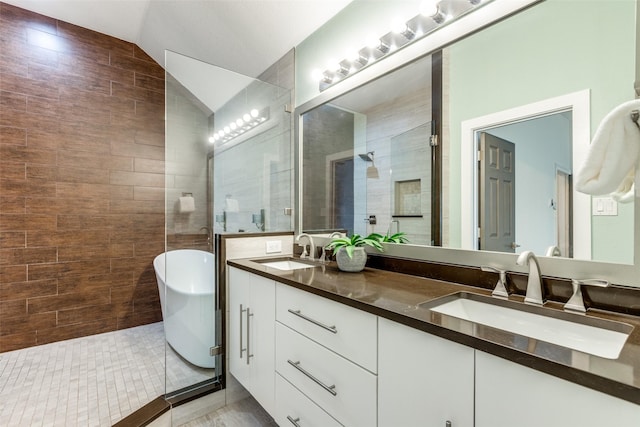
(293, 405)
(349, 332)
(346, 391)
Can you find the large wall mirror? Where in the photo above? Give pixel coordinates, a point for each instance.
(540, 81)
(366, 157)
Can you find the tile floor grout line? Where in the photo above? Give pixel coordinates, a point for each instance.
(94, 380)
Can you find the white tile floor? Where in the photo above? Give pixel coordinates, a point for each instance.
(90, 381)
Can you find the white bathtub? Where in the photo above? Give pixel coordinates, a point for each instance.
(186, 285)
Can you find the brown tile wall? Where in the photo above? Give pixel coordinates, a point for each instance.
(81, 143)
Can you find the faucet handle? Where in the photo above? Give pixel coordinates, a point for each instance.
(576, 302)
(501, 287)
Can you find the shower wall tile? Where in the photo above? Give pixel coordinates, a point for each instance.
(24, 290)
(65, 332)
(81, 181)
(15, 342)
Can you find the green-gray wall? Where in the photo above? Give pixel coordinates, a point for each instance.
(554, 48)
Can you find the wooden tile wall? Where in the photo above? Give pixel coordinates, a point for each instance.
(81, 144)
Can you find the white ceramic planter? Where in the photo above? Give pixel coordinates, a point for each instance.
(354, 264)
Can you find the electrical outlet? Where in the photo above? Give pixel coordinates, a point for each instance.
(273, 246)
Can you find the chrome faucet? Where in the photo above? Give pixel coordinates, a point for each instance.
(576, 302)
(500, 290)
(312, 247)
(553, 251)
(534, 283)
(323, 255)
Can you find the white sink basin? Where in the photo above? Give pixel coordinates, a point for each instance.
(287, 265)
(594, 336)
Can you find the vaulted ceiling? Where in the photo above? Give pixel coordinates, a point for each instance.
(245, 36)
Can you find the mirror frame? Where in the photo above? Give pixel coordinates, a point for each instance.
(619, 274)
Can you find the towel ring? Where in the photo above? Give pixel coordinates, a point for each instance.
(635, 115)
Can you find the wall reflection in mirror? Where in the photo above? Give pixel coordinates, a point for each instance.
(549, 50)
(366, 158)
(524, 186)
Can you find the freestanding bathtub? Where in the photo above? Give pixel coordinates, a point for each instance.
(186, 285)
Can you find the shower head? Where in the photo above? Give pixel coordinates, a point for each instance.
(367, 157)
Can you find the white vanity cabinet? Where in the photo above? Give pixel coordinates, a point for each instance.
(251, 344)
(294, 409)
(423, 380)
(327, 351)
(508, 394)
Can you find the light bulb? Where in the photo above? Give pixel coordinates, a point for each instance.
(352, 55)
(226, 129)
(373, 42)
(254, 113)
(333, 65)
(429, 7)
(239, 122)
(398, 26)
(233, 126)
(316, 74)
(211, 139)
(246, 118)
(221, 133)
(216, 137)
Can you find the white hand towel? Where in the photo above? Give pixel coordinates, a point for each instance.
(187, 204)
(231, 205)
(613, 156)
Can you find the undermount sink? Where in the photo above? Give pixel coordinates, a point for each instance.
(599, 337)
(286, 265)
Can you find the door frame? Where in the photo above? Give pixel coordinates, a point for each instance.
(330, 184)
(564, 206)
(576, 102)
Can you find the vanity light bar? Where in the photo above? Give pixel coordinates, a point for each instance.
(426, 22)
(243, 124)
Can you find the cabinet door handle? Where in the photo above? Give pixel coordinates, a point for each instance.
(294, 422)
(447, 424)
(331, 329)
(242, 350)
(329, 388)
(249, 355)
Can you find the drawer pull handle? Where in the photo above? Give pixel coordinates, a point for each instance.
(242, 349)
(294, 422)
(329, 388)
(249, 355)
(331, 329)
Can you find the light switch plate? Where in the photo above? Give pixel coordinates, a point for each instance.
(604, 206)
(273, 246)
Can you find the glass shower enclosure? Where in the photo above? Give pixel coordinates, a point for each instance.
(228, 169)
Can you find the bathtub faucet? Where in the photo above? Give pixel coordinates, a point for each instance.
(209, 238)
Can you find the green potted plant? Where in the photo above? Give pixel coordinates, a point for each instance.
(350, 253)
(394, 238)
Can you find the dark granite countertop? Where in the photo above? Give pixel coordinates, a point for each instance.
(397, 296)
